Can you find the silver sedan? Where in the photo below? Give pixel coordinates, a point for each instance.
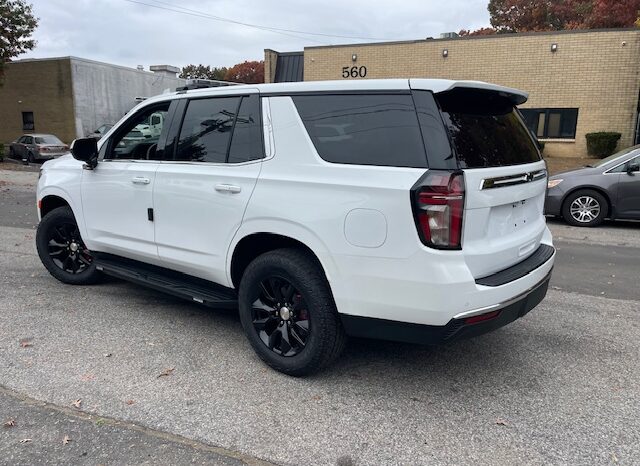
(607, 189)
(34, 147)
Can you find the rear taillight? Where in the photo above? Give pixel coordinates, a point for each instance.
(439, 207)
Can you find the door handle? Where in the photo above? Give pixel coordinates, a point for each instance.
(140, 180)
(228, 188)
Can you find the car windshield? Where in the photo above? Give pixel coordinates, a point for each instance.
(615, 156)
(48, 139)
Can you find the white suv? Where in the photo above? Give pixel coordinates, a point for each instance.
(408, 210)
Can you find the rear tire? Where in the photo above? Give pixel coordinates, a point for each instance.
(288, 312)
(31, 158)
(62, 250)
(585, 208)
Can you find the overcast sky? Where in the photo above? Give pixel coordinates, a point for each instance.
(126, 32)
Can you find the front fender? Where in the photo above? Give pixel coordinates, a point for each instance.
(65, 185)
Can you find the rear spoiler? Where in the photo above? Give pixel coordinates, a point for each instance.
(516, 96)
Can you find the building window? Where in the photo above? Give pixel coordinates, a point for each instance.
(551, 123)
(27, 121)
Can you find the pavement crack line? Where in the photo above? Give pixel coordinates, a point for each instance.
(161, 435)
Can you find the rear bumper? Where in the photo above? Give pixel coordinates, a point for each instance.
(455, 329)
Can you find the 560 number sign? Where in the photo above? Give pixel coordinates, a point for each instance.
(354, 72)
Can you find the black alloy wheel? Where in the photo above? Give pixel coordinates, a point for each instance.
(62, 251)
(288, 312)
(280, 317)
(67, 250)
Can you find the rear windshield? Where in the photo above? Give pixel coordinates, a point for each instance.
(485, 129)
(48, 140)
(364, 129)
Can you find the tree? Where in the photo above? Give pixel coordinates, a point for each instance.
(554, 15)
(248, 72)
(523, 15)
(478, 32)
(203, 72)
(17, 23)
(596, 14)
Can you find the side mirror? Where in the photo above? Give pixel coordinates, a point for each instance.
(85, 150)
(633, 167)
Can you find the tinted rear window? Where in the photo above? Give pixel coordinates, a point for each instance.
(485, 129)
(364, 129)
(206, 129)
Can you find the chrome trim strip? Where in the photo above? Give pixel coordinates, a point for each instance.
(511, 180)
(502, 305)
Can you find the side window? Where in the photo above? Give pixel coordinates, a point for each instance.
(137, 138)
(364, 129)
(246, 142)
(22, 140)
(206, 129)
(623, 168)
(28, 140)
(551, 123)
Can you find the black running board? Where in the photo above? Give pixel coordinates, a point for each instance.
(169, 281)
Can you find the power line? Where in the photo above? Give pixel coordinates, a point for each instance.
(206, 16)
(289, 32)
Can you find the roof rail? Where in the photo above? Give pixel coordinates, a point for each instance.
(203, 84)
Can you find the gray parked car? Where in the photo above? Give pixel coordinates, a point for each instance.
(33, 147)
(608, 189)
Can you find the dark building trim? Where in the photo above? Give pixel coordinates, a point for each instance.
(289, 67)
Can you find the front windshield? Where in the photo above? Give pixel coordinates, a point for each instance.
(615, 156)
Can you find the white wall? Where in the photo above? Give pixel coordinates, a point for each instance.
(103, 93)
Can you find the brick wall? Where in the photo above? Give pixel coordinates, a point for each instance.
(592, 71)
(41, 87)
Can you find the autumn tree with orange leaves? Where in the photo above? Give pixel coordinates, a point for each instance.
(248, 72)
(555, 15)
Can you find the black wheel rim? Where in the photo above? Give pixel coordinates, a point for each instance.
(280, 317)
(66, 248)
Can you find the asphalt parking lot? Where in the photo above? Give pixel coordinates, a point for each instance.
(560, 386)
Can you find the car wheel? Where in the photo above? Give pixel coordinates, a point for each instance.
(62, 250)
(585, 208)
(31, 158)
(288, 312)
(12, 154)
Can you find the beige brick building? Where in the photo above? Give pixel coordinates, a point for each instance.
(578, 81)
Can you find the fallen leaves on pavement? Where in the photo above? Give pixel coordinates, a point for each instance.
(166, 372)
(25, 440)
(77, 403)
(66, 440)
(26, 342)
(88, 377)
(130, 402)
(11, 422)
(502, 422)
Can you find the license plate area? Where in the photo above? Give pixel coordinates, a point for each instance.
(513, 217)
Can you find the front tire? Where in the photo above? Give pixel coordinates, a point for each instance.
(31, 158)
(585, 208)
(288, 312)
(62, 250)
